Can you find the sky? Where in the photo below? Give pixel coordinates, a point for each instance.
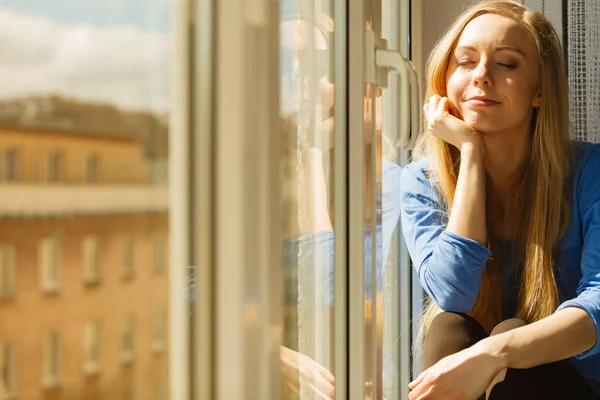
(115, 51)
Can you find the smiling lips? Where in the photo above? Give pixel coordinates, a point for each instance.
(479, 101)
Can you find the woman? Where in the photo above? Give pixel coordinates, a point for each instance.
(502, 217)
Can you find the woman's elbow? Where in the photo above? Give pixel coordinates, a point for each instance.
(447, 297)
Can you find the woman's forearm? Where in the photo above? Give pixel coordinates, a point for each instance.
(468, 217)
(314, 190)
(562, 335)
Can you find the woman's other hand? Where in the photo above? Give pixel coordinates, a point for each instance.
(445, 123)
(300, 370)
(462, 376)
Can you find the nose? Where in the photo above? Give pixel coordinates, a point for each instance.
(481, 74)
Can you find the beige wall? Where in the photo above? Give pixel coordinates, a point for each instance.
(30, 312)
(120, 160)
(430, 19)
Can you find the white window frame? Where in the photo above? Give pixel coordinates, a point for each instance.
(8, 370)
(51, 360)
(159, 251)
(160, 391)
(49, 261)
(128, 254)
(160, 330)
(92, 168)
(7, 271)
(91, 348)
(54, 160)
(127, 339)
(90, 254)
(11, 166)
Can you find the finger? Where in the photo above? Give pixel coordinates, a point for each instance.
(421, 385)
(320, 394)
(433, 104)
(443, 106)
(422, 389)
(324, 386)
(453, 110)
(326, 374)
(426, 114)
(421, 376)
(428, 395)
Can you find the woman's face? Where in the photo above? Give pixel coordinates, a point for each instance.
(493, 75)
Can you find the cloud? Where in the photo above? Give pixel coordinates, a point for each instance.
(125, 66)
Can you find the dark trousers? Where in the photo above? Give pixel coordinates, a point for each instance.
(450, 333)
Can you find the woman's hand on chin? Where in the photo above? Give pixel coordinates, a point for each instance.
(444, 122)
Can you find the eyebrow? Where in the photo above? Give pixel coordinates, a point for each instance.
(471, 48)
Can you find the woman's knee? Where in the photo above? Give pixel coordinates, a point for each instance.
(449, 333)
(456, 323)
(507, 325)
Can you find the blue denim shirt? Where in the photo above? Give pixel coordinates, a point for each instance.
(450, 267)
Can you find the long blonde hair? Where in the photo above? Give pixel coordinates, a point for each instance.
(541, 195)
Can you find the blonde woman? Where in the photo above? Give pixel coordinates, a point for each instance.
(502, 217)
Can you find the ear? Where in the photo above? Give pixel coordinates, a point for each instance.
(537, 100)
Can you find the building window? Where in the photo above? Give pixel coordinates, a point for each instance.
(51, 361)
(92, 168)
(127, 340)
(160, 330)
(91, 348)
(128, 258)
(53, 166)
(7, 380)
(91, 261)
(11, 165)
(160, 392)
(159, 251)
(49, 264)
(7, 271)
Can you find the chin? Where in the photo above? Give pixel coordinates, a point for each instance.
(480, 123)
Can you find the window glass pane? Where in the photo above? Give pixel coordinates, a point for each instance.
(306, 108)
(84, 116)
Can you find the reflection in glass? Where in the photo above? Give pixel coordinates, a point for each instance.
(306, 109)
(84, 217)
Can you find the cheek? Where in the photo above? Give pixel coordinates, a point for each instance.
(455, 87)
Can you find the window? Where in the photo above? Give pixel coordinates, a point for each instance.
(159, 251)
(49, 264)
(127, 340)
(7, 271)
(91, 168)
(10, 165)
(159, 392)
(91, 264)
(8, 368)
(51, 360)
(159, 330)
(127, 247)
(91, 348)
(53, 166)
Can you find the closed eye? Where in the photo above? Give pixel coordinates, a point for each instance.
(509, 66)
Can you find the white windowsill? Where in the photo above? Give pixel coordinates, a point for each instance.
(50, 382)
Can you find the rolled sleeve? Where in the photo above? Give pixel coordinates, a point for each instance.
(453, 272)
(449, 267)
